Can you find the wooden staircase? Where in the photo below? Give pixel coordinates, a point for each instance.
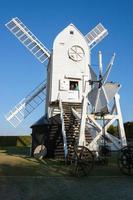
(55, 142)
(72, 125)
(72, 128)
(88, 136)
(54, 138)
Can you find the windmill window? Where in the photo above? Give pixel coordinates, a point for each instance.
(74, 85)
(71, 32)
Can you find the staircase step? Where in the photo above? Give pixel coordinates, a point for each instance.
(72, 128)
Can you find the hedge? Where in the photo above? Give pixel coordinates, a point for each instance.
(19, 141)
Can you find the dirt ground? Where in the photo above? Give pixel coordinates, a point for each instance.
(25, 178)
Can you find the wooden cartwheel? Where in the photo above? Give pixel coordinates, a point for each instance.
(125, 160)
(81, 161)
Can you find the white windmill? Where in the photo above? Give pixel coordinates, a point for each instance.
(71, 84)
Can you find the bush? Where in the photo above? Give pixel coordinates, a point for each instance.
(128, 126)
(129, 129)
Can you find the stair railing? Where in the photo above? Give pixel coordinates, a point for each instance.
(82, 140)
(63, 128)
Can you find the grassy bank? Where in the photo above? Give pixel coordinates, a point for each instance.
(12, 141)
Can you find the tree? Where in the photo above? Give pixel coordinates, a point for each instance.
(128, 126)
(113, 130)
(129, 129)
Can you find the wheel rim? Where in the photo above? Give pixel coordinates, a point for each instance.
(82, 161)
(125, 160)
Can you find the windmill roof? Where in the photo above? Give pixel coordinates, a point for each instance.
(45, 121)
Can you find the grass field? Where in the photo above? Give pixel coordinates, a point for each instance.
(25, 178)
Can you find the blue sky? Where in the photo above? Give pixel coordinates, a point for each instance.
(20, 72)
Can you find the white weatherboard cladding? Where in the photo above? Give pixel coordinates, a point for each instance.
(64, 67)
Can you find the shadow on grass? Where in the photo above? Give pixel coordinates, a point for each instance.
(16, 150)
(16, 161)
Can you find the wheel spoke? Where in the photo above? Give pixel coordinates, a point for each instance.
(125, 160)
(82, 161)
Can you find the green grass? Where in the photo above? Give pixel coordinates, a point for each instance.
(25, 178)
(16, 161)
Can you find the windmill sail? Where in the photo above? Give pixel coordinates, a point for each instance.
(105, 77)
(101, 97)
(28, 39)
(102, 92)
(27, 105)
(96, 35)
(92, 74)
(111, 89)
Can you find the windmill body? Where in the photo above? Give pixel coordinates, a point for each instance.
(68, 67)
(75, 98)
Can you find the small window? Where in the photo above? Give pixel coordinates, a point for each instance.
(74, 85)
(62, 43)
(71, 32)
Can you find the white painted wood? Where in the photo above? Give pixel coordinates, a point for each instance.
(16, 26)
(120, 121)
(82, 141)
(68, 67)
(96, 35)
(62, 67)
(63, 129)
(27, 105)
